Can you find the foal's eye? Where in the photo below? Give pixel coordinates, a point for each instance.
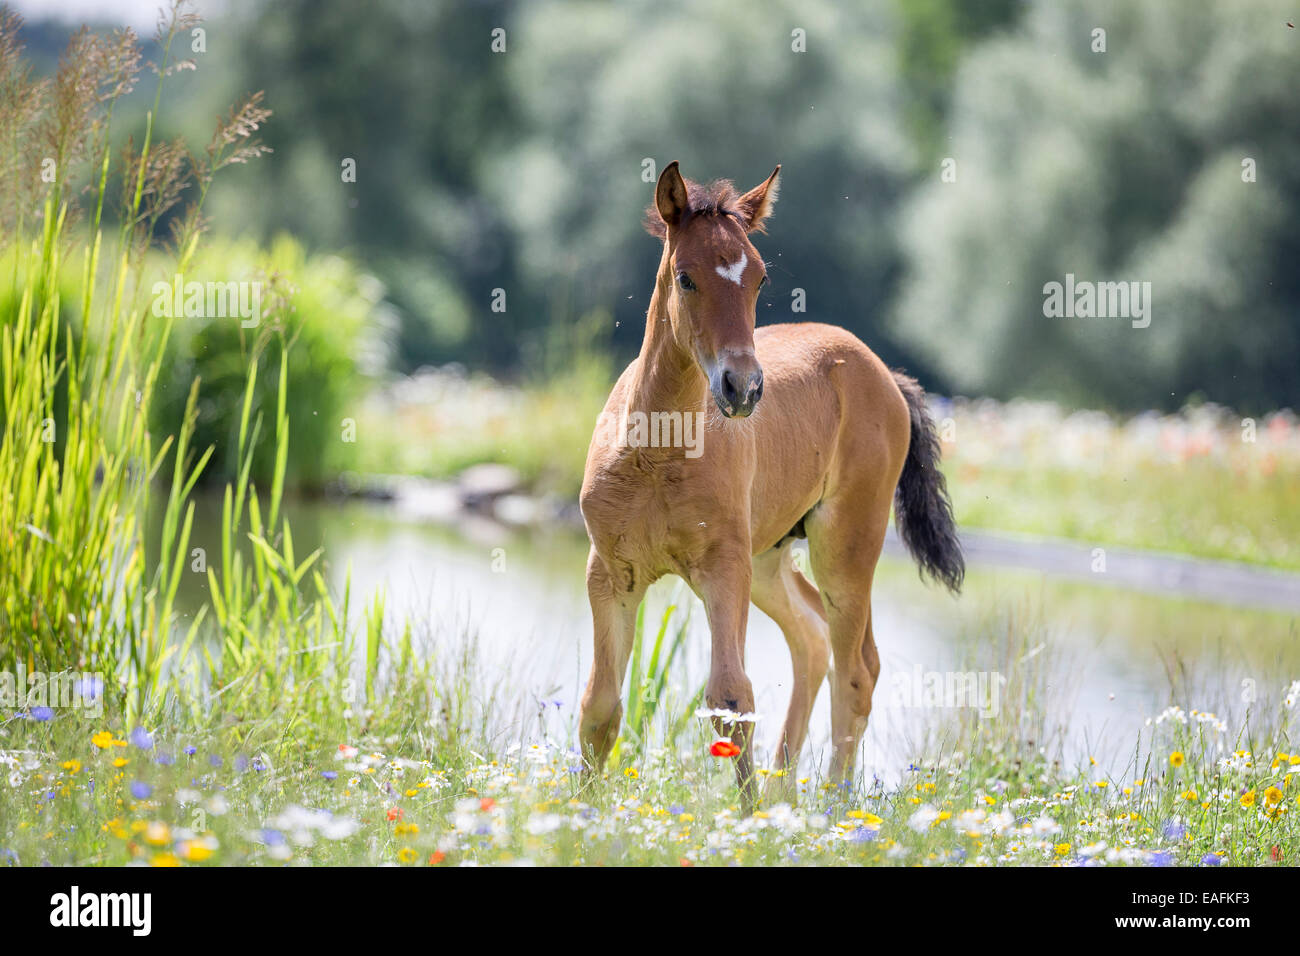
(685, 282)
(763, 281)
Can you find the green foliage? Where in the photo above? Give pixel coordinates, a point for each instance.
(602, 88)
(433, 107)
(69, 301)
(651, 692)
(85, 584)
(439, 423)
(75, 589)
(933, 36)
(1118, 165)
(523, 171)
(323, 307)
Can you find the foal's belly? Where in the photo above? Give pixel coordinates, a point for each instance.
(818, 379)
(796, 426)
(793, 456)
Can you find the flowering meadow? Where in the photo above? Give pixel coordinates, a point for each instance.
(1203, 482)
(1202, 793)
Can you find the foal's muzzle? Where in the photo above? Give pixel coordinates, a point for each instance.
(737, 385)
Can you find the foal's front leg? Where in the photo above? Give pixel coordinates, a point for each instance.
(723, 583)
(614, 626)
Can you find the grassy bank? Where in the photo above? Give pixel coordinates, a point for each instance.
(1202, 482)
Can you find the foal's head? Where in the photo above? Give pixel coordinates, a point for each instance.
(714, 274)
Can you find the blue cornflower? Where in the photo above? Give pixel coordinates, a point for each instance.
(1161, 858)
(141, 790)
(190, 751)
(141, 739)
(165, 758)
(1175, 830)
(1211, 859)
(330, 774)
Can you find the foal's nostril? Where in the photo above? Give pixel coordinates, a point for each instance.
(730, 387)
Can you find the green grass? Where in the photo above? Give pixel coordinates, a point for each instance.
(87, 585)
(441, 424)
(1230, 501)
(1198, 508)
(455, 772)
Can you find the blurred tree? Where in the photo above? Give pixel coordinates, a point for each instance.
(610, 93)
(933, 36)
(413, 95)
(1133, 163)
(521, 161)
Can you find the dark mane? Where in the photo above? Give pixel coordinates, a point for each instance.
(717, 198)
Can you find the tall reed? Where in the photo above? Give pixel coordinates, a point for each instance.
(79, 468)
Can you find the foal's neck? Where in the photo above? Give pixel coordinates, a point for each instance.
(668, 378)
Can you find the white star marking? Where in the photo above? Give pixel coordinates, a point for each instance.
(734, 272)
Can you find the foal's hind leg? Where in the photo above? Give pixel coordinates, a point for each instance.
(845, 545)
(782, 593)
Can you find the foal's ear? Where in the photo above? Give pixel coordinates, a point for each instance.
(756, 205)
(670, 195)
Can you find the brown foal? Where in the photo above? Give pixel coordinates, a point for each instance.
(805, 433)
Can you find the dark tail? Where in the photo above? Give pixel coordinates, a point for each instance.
(922, 509)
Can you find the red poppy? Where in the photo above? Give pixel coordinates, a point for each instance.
(394, 813)
(684, 862)
(1275, 852)
(724, 748)
(486, 804)
(436, 857)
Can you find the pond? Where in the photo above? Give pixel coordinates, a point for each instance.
(1105, 659)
